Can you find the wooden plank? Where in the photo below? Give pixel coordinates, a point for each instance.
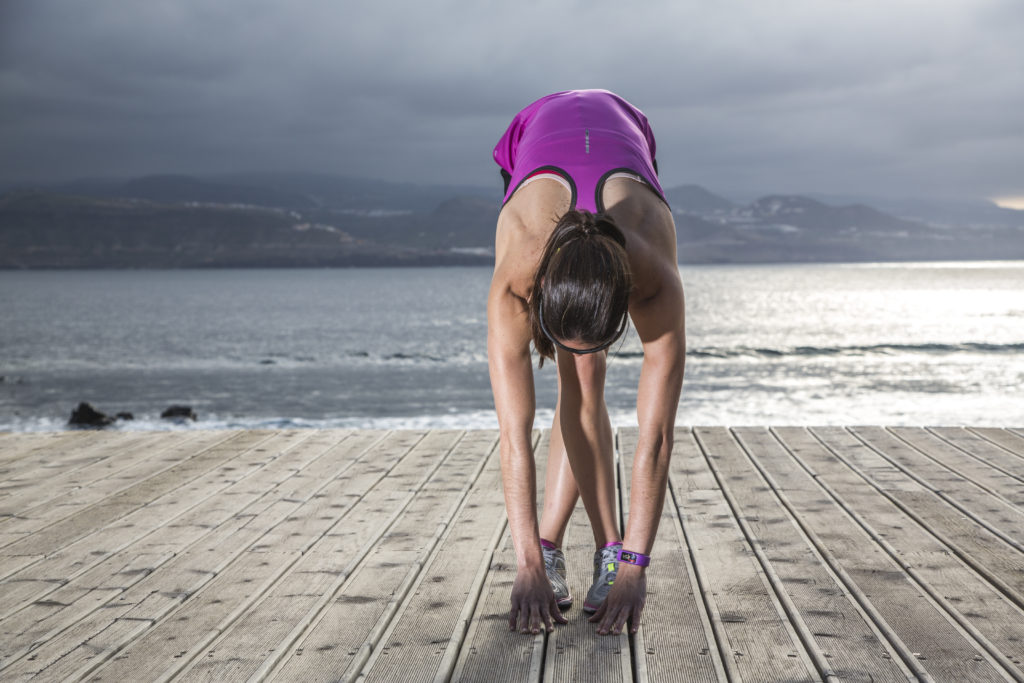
(87, 489)
(574, 651)
(69, 458)
(1002, 484)
(35, 444)
(983, 449)
(335, 634)
(76, 543)
(996, 515)
(811, 508)
(18, 445)
(267, 633)
(288, 475)
(986, 553)
(114, 507)
(1004, 438)
(675, 641)
(981, 529)
(47, 598)
(922, 620)
(840, 638)
(820, 491)
(756, 639)
(117, 460)
(240, 544)
(492, 651)
(423, 640)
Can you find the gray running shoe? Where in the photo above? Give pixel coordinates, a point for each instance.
(554, 565)
(606, 566)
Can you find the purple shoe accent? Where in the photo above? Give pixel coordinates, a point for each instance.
(545, 543)
(609, 545)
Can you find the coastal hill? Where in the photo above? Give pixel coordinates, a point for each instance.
(278, 219)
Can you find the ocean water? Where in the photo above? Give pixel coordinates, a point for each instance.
(908, 343)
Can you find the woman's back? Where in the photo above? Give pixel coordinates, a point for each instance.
(527, 220)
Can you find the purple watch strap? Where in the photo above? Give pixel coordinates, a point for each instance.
(630, 557)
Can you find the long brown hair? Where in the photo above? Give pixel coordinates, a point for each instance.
(583, 280)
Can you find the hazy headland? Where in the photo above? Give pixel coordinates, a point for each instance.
(316, 220)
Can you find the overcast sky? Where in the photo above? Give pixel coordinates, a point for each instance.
(896, 97)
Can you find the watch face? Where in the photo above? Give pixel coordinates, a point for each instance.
(629, 557)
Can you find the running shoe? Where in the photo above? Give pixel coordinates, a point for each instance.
(554, 565)
(606, 566)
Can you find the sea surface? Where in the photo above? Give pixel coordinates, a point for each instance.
(897, 344)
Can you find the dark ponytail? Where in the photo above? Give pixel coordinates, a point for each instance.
(584, 282)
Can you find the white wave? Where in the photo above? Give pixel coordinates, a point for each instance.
(477, 419)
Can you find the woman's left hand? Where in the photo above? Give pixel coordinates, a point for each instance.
(625, 601)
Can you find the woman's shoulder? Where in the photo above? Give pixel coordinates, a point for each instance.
(650, 232)
(518, 245)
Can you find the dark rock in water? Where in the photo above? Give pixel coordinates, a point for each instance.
(179, 413)
(125, 416)
(87, 416)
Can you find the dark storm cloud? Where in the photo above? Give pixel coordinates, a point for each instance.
(900, 97)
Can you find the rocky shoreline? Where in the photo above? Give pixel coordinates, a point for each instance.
(85, 416)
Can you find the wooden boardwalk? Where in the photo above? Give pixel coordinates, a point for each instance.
(784, 554)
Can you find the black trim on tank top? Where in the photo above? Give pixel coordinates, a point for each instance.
(507, 177)
(541, 169)
(599, 190)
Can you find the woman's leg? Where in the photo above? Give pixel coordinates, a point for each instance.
(586, 434)
(560, 492)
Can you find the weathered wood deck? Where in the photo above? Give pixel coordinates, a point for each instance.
(790, 554)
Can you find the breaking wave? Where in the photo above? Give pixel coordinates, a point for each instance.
(853, 350)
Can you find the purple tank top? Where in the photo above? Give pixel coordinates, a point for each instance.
(584, 136)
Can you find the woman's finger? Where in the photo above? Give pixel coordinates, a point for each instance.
(535, 620)
(524, 619)
(546, 615)
(634, 622)
(607, 621)
(557, 613)
(620, 621)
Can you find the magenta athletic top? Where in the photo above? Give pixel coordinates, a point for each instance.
(582, 135)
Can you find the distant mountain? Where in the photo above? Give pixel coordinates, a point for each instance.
(273, 190)
(343, 192)
(168, 189)
(695, 199)
(786, 228)
(184, 189)
(944, 213)
(42, 230)
(808, 214)
(320, 220)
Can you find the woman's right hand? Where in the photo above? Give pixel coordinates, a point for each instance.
(533, 603)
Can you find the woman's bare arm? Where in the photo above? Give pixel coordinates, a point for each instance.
(660, 322)
(661, 326)
(508, 354)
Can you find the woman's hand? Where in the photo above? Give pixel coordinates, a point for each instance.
(625, 601)
(533, 603)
